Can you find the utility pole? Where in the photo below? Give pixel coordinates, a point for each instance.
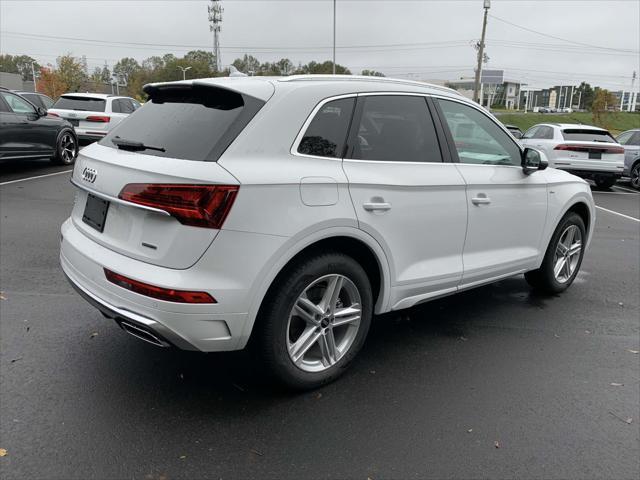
(334, 37)
(184, 71)
(632, 93)
(215, 24)
(33, 72)
(476, 86)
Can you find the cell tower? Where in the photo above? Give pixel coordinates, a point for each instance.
(215, 23)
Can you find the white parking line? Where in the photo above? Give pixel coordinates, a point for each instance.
(626, 189)
(618, 213)
(612, 193)
(37, 176)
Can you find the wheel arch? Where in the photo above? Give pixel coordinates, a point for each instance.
(351, 241)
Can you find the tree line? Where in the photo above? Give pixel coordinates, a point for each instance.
(70, 74)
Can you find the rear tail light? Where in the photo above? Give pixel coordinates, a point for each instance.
(588, 148)
(98, 118)
(166, 294)
(52, 114)
(196, 205)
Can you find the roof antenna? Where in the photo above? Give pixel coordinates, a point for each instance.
(234, 72)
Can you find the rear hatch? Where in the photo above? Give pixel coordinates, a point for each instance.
(152, 189)
(84, 113)
(589, 149)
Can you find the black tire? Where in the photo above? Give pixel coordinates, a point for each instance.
(272, 328)
(605, 183)
(635, 175)
(544, 278)
(66, 148)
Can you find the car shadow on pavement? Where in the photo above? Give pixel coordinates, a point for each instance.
(231, 381)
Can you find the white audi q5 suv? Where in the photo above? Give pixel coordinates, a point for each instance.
(282, 213)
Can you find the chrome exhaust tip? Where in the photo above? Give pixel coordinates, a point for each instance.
(142, 334)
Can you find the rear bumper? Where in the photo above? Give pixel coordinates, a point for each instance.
(144, 328)
(223, 271)
(92, 135)
(591, 174)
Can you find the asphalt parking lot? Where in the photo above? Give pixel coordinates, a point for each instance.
(497, 382)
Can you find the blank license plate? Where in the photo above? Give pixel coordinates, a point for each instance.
(595, 156)
(95, 212)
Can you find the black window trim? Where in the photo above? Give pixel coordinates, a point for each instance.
(451, 142)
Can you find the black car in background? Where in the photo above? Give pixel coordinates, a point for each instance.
(515, 130)
(38, 99)
(26, 131)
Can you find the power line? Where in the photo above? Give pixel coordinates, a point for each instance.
(562, 39)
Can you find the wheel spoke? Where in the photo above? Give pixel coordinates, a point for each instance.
(328, 348)
(561, 249)
(575, 249)
(567, 269)
(568, 240)
(301, 346)
(559, 266)
(308, 306)
(330, 296)
(344, 316)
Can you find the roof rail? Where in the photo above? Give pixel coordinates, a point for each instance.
(365, 78)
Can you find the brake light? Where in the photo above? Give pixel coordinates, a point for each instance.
(588, 148)
(53, 114)
(98, 118)
(195, 205)
(166, 294)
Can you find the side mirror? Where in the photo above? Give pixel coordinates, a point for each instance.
(41, 111)
(532, 161)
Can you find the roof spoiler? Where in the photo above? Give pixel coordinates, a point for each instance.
(261, 90)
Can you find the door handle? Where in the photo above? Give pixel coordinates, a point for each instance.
(376, 206)
(481, 199)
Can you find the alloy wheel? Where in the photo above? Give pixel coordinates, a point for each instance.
(324, 323)
(567, 254)
(635, 176)
(68, 148)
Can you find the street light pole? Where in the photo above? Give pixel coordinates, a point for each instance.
(476, 86)
(334, 37)
(33, 72)
(184, 71)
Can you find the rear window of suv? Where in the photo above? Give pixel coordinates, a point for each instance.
(584, 135)
(192, 123)
(86, 104)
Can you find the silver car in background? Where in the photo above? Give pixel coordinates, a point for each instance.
(630, 140)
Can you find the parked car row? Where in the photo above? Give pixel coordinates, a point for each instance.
(33, 126)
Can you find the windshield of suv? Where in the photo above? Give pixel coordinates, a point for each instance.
(87, 104)
(584, 135)
(197, 123)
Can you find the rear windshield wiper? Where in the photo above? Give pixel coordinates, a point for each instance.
(124, 144)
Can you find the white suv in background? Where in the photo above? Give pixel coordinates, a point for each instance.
(93, 114)
(586, 151)
(282, 213)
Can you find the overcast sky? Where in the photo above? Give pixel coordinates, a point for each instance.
(410, 39)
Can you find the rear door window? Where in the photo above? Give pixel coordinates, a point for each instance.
(85, 104)
(196, 123)
(585, 135)
(327, 132)
(33, 98)
(395, 128)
